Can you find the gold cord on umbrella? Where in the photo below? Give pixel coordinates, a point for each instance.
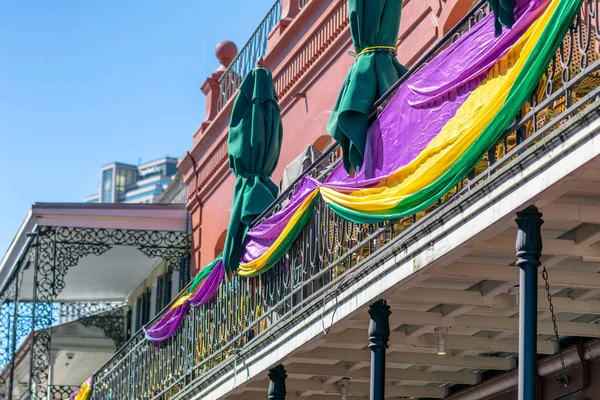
(373, 49)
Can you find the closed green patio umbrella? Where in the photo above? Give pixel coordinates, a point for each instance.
(504, 14)
(374, 25)
(254, 144)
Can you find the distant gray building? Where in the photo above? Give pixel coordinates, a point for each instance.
(175, 193)
(126, 183)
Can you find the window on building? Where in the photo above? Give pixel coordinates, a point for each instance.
(128, 325)
(139, 305)
(322, 143)
(131, 177)
(163, 291)
(184, 272)
(170, 169)
(107, 186)
(147, 299)
(124, 178)
(142, 309)
(120, 181)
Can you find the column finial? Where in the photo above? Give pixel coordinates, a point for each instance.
(226, 52)
(379, 326)
(277, 377)
(529, 236)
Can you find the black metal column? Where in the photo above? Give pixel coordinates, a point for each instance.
(529, 251)
(31, 385)
(13, 350)
(277, 377)
(379, 335)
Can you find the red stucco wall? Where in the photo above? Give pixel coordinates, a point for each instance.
(304, 119)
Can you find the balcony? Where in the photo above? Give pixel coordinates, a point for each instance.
(323, 284)
(65, 283)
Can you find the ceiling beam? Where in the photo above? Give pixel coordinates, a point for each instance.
(548, 262)
(430, 341)
(394, 359)
(581, 184)
(495, 324)
(355, 388)
(306, 371)
(560, 277)
(473, 298)
(554, 247)
(581, 213)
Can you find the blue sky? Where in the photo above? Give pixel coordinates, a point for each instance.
(87, 82)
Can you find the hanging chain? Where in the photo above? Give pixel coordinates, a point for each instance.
(566, 381)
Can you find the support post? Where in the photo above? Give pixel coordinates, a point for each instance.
(277, 377)
(51, 361)
(13, 349)
(529, 251)
(32, 388)
(379, 335)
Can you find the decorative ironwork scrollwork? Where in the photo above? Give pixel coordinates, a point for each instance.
(112, 324)
(60, 248)
(85, 310)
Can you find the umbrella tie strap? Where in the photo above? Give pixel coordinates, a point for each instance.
(373, 49)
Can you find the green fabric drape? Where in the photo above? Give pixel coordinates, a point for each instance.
(504, 14)
(372, 23)
(525, 83)
(254, 144)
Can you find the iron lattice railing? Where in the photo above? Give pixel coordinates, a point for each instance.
(62, 391)
(246, 311)
(247, 58)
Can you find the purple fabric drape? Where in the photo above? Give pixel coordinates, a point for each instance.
(172, 320)
(415, 115)
(210, 286)
(261, 237)
(430, 98)
(165, 328)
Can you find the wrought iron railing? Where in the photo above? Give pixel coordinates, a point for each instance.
(247, 311)
(302, 3)
(284, 81)
(62, 391)
(308, 55)
(247, 58)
